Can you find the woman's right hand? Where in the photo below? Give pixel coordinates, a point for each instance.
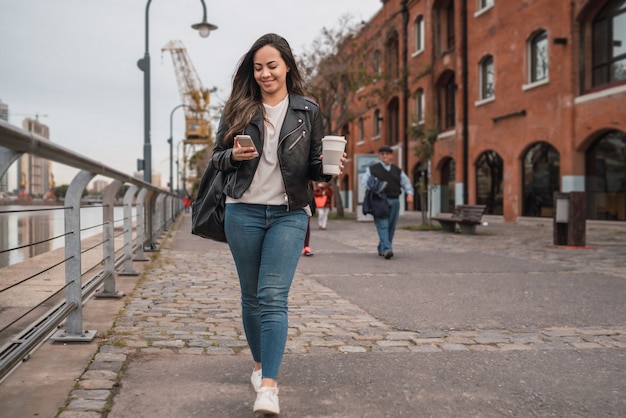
(240, 153)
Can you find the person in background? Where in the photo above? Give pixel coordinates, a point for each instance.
(324, 203)
(267, 196)
(307, 239)
(187, 202)
(397, 181)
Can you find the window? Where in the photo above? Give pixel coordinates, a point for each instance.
(378, 62)
(446, 106)
(377, 119)
(450, 25)
(538, 57)
(419, 33)
(483, 4)
(445, 36)
(420, 101)
(487, 81)
(361, 131)
(609, 44)
(393, 56)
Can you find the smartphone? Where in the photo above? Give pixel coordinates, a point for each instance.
(245, 141)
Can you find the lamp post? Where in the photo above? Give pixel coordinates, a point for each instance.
(171, 142)
(204, 30)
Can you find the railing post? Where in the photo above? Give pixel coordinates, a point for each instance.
(74, 324)
(150, 210)
(108, 244)
(141, 225)
(160, 213)
(169, 208)
(128, 233)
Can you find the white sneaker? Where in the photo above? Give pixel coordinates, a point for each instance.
(256, 378)
(267, 401)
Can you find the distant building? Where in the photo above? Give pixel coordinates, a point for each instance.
(98, 186)
(522, 99)
(34, 174)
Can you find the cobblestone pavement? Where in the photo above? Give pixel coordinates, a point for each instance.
(189, 304)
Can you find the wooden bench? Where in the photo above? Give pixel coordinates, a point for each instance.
(466, 216)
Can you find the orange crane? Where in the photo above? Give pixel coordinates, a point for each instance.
(193, 95)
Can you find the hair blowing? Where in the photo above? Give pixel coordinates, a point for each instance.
(245, 98)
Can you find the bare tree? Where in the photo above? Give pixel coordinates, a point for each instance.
(339, 74)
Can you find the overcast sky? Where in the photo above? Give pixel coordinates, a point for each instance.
(74, 63)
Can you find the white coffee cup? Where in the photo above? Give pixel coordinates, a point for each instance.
(333, 148)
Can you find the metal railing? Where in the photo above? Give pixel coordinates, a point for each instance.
(155, 210)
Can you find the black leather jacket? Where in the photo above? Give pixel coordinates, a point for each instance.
(299, 150)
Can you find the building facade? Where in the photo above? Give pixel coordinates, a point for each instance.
(520, 100)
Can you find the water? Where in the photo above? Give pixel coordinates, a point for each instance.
(22, 228)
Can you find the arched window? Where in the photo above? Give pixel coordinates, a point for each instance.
(487, 78)
(609, 44)
(538, 57)
(489, 175)
(541, 178)
(606, 177)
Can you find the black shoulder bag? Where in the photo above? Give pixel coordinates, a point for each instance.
(207, 212)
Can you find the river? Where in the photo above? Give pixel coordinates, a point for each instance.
(22, 225)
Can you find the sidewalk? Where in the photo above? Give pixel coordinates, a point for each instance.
(497, 324)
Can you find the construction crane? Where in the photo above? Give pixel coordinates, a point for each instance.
(193, 95)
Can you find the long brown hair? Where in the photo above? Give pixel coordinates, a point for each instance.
(245, 98)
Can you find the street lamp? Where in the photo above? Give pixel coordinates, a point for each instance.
(144, 65)
(171, 142)
(204, 29)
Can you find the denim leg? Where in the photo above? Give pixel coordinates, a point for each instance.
(394, 211)
(382, 227)
(266, 242)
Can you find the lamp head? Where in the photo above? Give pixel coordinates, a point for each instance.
(204, 28)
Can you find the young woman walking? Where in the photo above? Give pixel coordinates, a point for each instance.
(267, 204)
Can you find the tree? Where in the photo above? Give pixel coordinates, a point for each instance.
(61, 190)
(337, 69)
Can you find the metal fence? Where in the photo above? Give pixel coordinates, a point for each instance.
(155, 210)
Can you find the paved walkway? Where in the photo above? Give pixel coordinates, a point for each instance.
(497, 324)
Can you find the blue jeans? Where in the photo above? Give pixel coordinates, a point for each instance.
(266, 242)
(386, 227)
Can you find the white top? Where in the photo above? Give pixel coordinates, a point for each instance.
(267, 187)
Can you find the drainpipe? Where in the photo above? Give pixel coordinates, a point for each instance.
(405, 84)
(464, 76)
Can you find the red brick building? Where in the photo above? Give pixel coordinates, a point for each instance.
(525, 98)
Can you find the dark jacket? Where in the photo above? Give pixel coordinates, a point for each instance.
(299, 150)
(375, 200)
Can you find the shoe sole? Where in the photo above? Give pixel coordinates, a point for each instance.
(266, 411)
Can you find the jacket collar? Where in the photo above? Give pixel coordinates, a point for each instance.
(296, 102)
